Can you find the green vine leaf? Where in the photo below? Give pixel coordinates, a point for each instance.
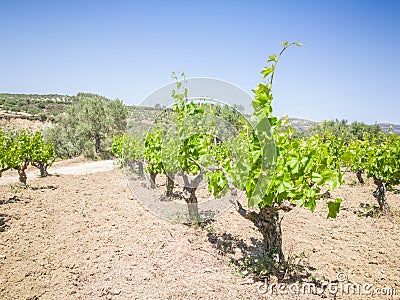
(334, 207)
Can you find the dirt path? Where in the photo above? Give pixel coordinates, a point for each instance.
(71, 167)
(85, 237)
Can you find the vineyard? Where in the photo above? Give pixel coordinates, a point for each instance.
(304, 205)
(19, 149)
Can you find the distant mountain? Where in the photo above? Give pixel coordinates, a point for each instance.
(387, 126)
(301, 124)
(304, 125)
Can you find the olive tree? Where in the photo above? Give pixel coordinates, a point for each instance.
(94, 118)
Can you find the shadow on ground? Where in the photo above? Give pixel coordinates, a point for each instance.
(367, 210)
(13, 199)
(4, 218)
(248, 259)
(48, 187)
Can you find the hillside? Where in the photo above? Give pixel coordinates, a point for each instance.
(46, 107)
(32, 106)
(300, 124)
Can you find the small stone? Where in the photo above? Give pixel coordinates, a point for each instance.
(250, 281)
(3, 257)
(116, 292)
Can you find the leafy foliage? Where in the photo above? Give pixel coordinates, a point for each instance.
(299, 171)
(21, 148)
(43, 154)
(127, 147)
(152, 153)
(341, 129)
(88, 124)
(378, 157)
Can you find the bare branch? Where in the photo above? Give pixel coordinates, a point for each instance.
(193, 183)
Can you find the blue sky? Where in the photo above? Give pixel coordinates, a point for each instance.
(349, 66)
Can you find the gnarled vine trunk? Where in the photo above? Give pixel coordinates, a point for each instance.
(269, 224)
(380, 195)
(153, 180)
(141, 168)
(22, 176)
(192, 205)
(170, 184)
(21, 172)
(267, 221)
(359, 176)
(43, 170)
(190, 188)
